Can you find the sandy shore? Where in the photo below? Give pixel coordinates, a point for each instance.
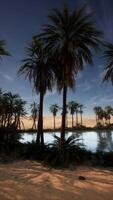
(29, 180)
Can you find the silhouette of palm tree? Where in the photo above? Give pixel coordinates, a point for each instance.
(108, 58)
(38, 70)
(54, 109)
(69, 37)
(34, 113)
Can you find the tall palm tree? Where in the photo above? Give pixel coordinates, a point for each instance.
(76, 111)
(69, 37)
(81, 112)
(72, 108)
(54, 109)
(3, 52)
(61, 108)
(38, 70)
(1, 108)
(34, 113)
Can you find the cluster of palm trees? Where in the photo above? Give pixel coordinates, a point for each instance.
(12, 108)
(77, 108)
(103, 116)
(54, 59)
(72, 107)
(57, 54)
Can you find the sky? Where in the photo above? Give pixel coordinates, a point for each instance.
(20, 20)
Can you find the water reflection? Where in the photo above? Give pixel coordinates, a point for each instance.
(105, 141)
(93, 141)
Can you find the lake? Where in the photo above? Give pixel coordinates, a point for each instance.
(92, 140)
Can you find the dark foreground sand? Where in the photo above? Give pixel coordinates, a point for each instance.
(31, 181)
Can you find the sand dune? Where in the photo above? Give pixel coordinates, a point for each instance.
(48, 121)
(30, 180)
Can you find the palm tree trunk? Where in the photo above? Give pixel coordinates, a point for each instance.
(81, 119)
(34, 123)
(2, 120)
(96, 119)
(76, 119)
(8, 121)
(54, 123)
(63, 115)
(72, 120)
(40, 136)
(66, 121)
(109, 120)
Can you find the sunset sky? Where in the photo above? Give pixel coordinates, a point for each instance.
(20, 20)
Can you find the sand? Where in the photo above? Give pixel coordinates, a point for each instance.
(88, 121)
(29, 180)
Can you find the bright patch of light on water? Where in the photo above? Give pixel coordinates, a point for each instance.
(92, 140)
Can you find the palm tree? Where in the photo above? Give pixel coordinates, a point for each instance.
(101, 114)
(10, 103)
(61, 108)
(72, 108)
(108, 57)
(1, 108)
(76, 111)
(38, 70)
(54, 109)
(98, 111)
(109, 111)
(81, 112)
(69, 37)
(19, 112)
(34, 113)
(3, 51)
(106, 116)
(12, 108)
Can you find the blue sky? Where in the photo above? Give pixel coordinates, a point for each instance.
(20, 20)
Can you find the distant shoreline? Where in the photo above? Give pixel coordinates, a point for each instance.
(89, 122)
(69, 129)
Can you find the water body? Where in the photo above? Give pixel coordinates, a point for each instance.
(92, 140)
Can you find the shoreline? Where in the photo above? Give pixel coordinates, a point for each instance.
(69, 129)
(89, 122)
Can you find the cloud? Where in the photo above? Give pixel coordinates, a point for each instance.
(85, 86)
(93, 101)
(106, 99)
(6, 77)
(100, 101)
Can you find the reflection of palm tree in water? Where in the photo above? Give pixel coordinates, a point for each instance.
(110, 141)
(104, 141)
